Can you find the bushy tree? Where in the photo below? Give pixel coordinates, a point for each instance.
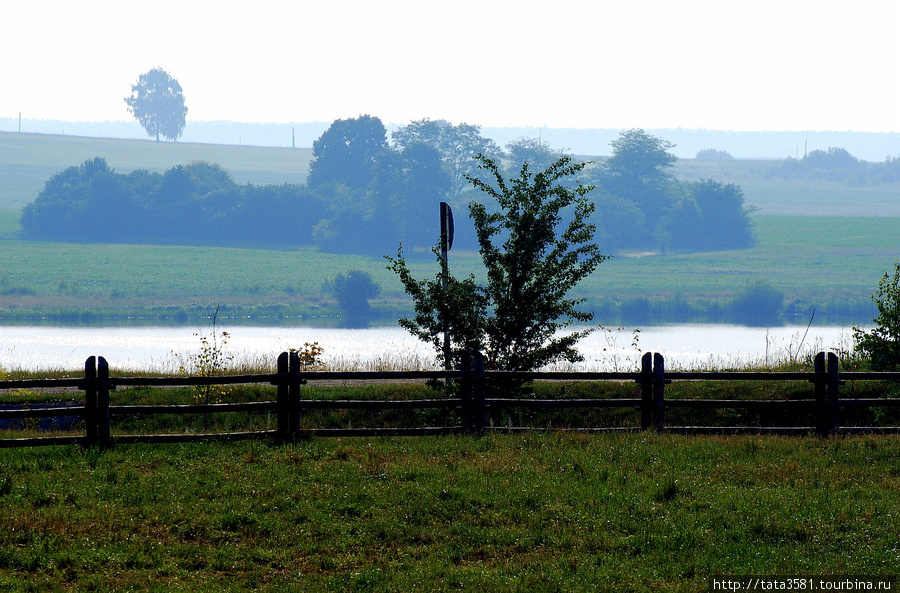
(353, 291)
(346, 153)
(194, 204)
(536, 245)
(881, 345)
(639, 172)
(457, 144)
(759, 304)
(406, 187)
(157, 102)
(711, 216)
(89, 203)
(833, 158)
(538, 155)
(711, 154)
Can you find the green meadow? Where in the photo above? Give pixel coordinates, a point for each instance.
(823, 245)
(533, 512)
(827, 263)
(27, 161)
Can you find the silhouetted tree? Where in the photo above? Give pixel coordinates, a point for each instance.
(157, 102)
(457, 145)
(638, 172)
(726, 220)
(536, 246)
(537, 154)
(881, 345)
(347, 152)
(759, 304)
(406, 189)
(353, 291)
(711, 154)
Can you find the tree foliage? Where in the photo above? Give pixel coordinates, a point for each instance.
(711, 154)
(457, 145)
(157, 102)
(364, 196)
(538, 155)
(347, 152)
(639, 172)
(353, 291)
(881, 345)
(711, 216)
(643, 206)
(536, 246)
(444, 303)
(194, 204)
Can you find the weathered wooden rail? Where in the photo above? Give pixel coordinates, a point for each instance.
(473, 405)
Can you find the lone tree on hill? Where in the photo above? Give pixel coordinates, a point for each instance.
(536, 245)
(157, 102)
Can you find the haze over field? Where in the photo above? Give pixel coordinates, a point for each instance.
(803, 65)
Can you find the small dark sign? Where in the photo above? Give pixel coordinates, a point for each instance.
(446, 226)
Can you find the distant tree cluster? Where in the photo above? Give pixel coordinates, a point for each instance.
(640, 205)
(194, 204)
(838, 165)
(365, 195)
(711, 154)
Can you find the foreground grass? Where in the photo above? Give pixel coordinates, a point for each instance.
(539, 512)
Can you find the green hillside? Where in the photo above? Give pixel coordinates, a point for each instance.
(822, 245)
(27, 161)
(829, 263)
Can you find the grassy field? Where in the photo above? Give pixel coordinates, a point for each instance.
(536, 512)
(820, 262)
(27, 161)
(828, 254)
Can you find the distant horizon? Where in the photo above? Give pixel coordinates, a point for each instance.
(390, 124)
(748, 144)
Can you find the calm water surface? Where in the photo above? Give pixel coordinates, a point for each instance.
(156, 348)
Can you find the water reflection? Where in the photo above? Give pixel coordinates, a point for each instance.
(152, 348)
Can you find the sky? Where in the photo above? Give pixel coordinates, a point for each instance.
(653, 64)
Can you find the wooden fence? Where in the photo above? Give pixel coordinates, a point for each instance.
(473, 404)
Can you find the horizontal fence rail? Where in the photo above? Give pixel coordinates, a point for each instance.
(478, 397)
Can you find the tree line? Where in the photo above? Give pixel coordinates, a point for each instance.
(838, 165)
(366, 195)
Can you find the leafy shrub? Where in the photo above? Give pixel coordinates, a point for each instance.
(881, 345)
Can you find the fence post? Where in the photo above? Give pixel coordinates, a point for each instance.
(472, 387)
(283, 408)
(294, 396)
(90, 402)
(103, 432)
(646, 390)
(833, 393)
(466, 387)
(659, 386)
(478, 393)
(820, 380)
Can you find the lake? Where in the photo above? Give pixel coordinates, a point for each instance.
(155, 348)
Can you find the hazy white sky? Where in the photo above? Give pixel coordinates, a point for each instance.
(714, 64)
